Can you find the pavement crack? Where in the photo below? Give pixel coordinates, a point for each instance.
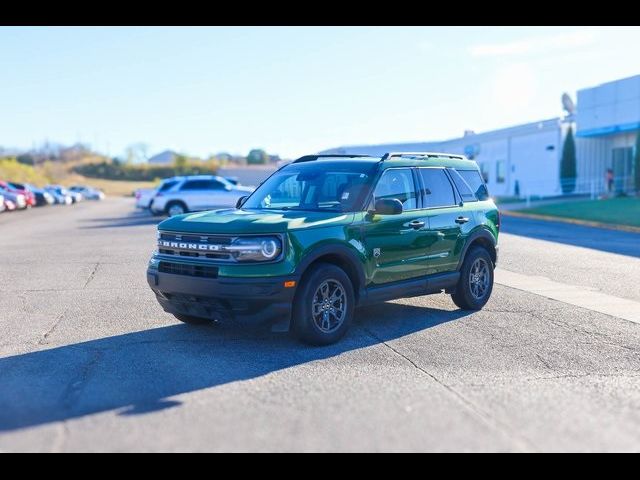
(47, 334)
(598, 337)
(544, 362)
(583, 375)
(77, 384)
(484, 416)
(92, 275)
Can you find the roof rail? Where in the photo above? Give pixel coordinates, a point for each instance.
(310, 158)
(388, 155)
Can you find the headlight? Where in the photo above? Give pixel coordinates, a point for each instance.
(255, 249)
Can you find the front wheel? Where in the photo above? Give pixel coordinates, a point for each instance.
(476, 280)
(324, 305)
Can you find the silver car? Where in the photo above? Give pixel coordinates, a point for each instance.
(144, 196)
(196, 193)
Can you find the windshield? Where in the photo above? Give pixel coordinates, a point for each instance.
(327, 186)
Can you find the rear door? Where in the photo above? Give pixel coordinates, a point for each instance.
(446, 217)
(396, 243)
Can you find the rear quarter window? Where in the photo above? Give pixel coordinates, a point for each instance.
(474, 180)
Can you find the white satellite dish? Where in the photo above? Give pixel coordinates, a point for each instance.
(568, 104)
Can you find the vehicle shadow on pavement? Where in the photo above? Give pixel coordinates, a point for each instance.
(136, 373)
(612, 241)
(134, 219)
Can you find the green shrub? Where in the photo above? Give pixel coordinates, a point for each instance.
(568, 164)
(145, 172)
(13, 171)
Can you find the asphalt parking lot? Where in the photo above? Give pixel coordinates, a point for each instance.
(89, 361)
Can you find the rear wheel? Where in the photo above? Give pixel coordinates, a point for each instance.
(476, 280)
(192, 320)
(176, 208)
(324, 305)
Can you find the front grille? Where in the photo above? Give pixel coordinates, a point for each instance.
(188, 270)
(185, 245)
(178, 237)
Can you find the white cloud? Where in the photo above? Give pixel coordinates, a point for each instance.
(538, 44)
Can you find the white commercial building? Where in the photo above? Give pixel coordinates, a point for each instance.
(525, 159)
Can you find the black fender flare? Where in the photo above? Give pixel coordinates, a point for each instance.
(475, 235)
(346, 254)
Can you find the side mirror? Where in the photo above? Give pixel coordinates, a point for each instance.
(241, 201)
(482, 193)
(388, 206)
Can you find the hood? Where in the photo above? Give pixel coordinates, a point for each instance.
(241, 221)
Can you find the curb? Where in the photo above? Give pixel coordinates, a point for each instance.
(574, 221)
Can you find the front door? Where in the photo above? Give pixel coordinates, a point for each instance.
(446, 218)
(396, 243)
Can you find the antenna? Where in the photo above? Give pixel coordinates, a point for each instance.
(568, 104)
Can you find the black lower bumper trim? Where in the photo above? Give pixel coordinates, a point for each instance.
(252, 300)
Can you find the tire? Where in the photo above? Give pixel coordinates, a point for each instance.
(323, 328)
(192, 320)
(476, 280)
(175, 208)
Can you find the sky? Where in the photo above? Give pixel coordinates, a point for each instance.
(291, 90)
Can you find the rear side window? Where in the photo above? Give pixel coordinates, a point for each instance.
(474, 180)
(463, 188)
(167, 185)
(438, 191)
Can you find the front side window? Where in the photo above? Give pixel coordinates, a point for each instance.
(331, 186)
(438, 191)
(397, 183)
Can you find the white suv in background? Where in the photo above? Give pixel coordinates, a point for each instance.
(196, 193)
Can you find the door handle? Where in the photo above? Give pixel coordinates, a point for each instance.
(416, 224)
(461, 220)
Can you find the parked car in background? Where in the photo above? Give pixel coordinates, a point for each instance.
(20, 189)
(60, 194)
(144, 196)
(88, 193)
(3, 207)
(75, 196)
(43, 198)
(197, 193)
(13, 200)
(9, 205)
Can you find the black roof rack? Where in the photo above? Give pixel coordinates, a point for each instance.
(388, 155)
(310, 158)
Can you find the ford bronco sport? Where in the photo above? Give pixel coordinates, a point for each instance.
(328, 233)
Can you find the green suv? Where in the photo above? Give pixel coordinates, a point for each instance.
(328, 233)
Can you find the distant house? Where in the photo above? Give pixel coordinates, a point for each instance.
(164, 158)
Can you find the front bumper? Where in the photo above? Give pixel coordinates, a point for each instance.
(249, 300)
